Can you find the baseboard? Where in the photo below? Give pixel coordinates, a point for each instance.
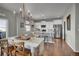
(76, 51)
(70, 46)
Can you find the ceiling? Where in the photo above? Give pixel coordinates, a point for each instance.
(40, 10)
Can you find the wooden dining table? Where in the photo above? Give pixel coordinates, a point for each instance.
(31, 44)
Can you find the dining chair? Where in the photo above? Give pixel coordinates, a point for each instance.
(4, 47)
(10, 49)
(0, 49)
(19, 50)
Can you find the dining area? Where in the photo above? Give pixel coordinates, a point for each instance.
(21, 45)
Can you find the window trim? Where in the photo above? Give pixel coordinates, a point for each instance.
(28, 25)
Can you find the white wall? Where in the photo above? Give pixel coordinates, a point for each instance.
(57, 21)
(70, 35)
(49, 24)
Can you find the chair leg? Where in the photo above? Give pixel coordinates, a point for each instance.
(1, 51)
(30, 54)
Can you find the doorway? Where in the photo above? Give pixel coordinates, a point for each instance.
(58, 31)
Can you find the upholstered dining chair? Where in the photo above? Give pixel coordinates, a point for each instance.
(4, 47)
(19, 50)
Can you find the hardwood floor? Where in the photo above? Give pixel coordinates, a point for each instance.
(59, 48)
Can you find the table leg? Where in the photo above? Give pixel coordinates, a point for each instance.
(0, 51)
(41, 48)
(32, 51)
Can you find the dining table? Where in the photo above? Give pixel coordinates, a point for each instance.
(31, 44)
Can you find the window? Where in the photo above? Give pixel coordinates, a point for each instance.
(27, 22)
(3, 28)
(27, 26)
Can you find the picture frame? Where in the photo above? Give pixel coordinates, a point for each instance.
(69, 22)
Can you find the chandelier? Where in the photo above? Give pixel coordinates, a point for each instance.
(24, 13)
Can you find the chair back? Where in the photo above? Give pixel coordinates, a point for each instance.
(3, 43)
(4, 46)
(19, 49)
(19, 46)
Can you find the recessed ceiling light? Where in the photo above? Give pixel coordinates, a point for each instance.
(14, 12)
(42, 15)
(58, 16)
(28, 11)
(20, 9)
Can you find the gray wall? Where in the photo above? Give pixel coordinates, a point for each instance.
(77, 28)
(22, 30)
(19, 29)
(70, 35)
(11, 21)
